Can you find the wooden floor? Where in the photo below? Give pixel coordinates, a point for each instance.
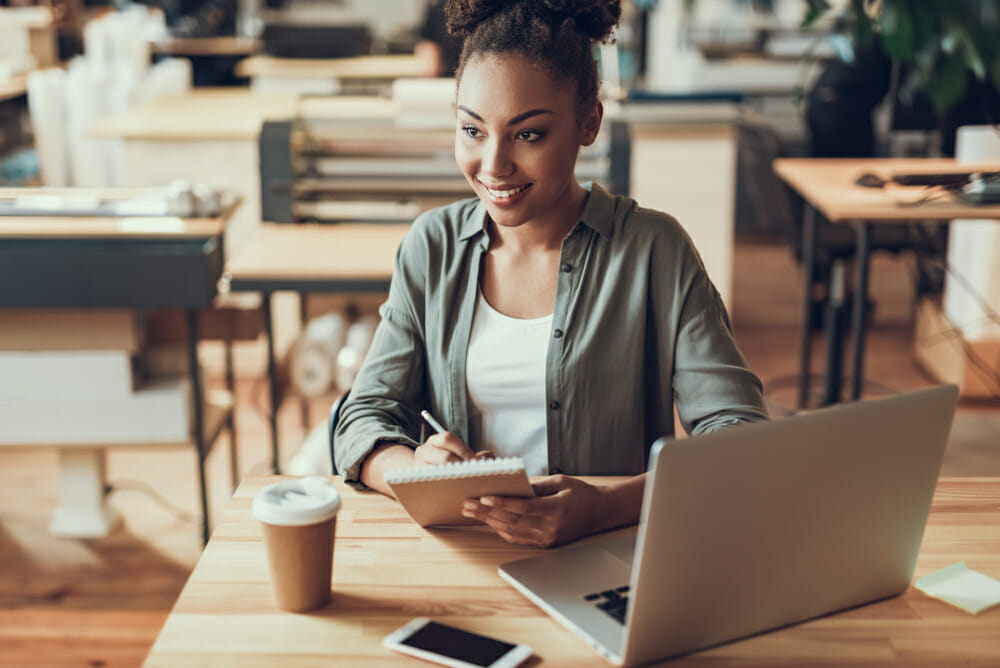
(101, 602)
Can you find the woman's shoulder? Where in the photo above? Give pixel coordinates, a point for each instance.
(448, 222)
(634, 222)
(440, 230)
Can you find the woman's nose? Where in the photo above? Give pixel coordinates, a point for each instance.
(496, 160)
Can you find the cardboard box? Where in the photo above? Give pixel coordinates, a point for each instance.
(942, 352)
(69, 329)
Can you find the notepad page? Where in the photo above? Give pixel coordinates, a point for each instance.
(472, 467)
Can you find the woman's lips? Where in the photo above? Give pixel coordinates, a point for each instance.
(504, 194)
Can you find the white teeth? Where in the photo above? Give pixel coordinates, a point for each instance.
(505, 193)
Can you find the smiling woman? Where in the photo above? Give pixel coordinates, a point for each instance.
(544, 318)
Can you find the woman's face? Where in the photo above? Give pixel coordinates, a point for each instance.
(518, 139)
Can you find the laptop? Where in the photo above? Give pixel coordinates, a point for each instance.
(749, 529)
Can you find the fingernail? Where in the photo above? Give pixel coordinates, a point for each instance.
(470, 505)
(487, 501)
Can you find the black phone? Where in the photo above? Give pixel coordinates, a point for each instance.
(451, 646)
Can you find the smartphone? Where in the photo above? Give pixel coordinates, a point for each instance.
(449, 646)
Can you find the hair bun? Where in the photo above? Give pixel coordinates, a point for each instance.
(462, 16)
(593, 18)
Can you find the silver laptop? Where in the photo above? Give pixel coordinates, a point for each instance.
(749, 529)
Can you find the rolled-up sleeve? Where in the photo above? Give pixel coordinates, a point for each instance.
(384, 400)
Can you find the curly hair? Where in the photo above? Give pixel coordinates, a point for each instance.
(559, 34)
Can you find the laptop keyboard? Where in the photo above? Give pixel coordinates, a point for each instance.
(612, 601)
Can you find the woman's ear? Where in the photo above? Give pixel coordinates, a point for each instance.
(591, 124)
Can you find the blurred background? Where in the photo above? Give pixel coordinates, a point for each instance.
(271, 143)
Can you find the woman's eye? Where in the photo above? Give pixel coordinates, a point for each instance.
(471, 131)
(529, 136)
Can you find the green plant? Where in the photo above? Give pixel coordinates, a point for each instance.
(943, 45)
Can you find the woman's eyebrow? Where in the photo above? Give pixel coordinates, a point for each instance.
(514, 121)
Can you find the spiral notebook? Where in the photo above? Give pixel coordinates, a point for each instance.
(433, 495)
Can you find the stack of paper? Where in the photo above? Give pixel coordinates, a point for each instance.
(424, 103)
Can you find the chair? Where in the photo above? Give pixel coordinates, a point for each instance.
(780, 210)
(334, 418)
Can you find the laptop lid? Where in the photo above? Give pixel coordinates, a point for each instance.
(773, 523)
(749, 529)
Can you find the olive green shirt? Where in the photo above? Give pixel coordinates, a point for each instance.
(638, 328)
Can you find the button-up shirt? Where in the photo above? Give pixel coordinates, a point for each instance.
(638, 328)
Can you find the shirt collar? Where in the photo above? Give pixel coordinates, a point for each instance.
(597, 214)
(475, 223)
(599, 210)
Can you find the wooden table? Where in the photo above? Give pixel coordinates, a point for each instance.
(212, 136)
(221, 45)
(828, 186)
(15, 86)
(312, 258)
(388, 570)
(381, 67)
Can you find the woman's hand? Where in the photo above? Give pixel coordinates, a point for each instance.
(438, 449)
(562, 510)
(441, 449)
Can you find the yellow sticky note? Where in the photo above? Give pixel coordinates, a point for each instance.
(961, 587)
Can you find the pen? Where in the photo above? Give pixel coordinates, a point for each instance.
(438, 427)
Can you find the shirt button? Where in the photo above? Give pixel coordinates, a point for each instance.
(567, 267)
(557, 334)
(554, 405)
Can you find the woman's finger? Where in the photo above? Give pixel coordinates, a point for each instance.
(453, 444)
(431, 455)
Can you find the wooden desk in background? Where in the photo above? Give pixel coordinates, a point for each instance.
(326, 75)
(312, 258)
(387, 570)
(828, 186)
(211, 136)
(16, 86)
(207, 46)
(105, 262)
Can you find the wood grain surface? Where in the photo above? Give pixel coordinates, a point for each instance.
(203, 114)
(108, 227)
(224, 45)
(360, 67)
(388, 570)
(346, 251)
(15, 86)
(829, 185)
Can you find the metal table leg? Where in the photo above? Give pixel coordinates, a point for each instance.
(808, 262)
(234, 465)
(858, 323)
(834, 333)
(272, 374)
(196, 412)
(303, 321)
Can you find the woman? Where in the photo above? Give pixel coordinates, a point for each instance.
(543, 318)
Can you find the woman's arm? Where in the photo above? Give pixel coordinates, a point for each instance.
(563, 509)
(389, 389)
(438, 449)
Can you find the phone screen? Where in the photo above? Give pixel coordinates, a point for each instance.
(458, 644)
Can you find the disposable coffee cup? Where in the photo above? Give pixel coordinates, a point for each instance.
(298, 519)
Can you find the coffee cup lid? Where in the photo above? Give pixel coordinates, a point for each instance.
(297, 502)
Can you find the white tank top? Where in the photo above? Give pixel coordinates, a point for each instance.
(505, 377)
